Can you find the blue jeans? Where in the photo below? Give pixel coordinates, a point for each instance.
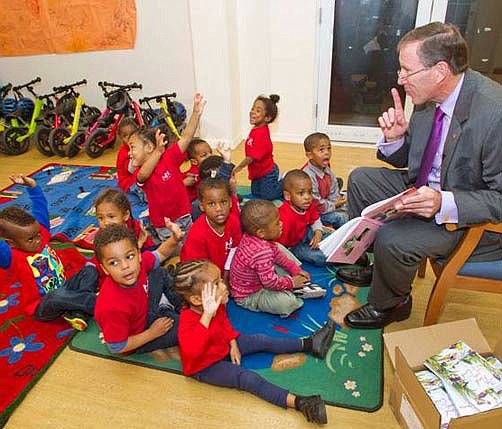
(196, 211)
(334, 219)
(305, 253)
(226, 374)
(136, 191)
(268, 187)
(160, 282)
(78, 293)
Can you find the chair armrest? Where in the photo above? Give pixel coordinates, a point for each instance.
(487, 226)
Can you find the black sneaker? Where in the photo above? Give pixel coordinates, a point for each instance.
(77, 320)
(313, 408)
(322, 339)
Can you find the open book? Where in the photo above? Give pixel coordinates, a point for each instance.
(350, 241)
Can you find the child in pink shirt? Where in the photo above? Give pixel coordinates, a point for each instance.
(253, 281)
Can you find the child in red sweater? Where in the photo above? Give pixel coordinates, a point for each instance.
(262, 170)
(125, 179)
(301, 223)
(198, 150)
(211, 350)
(129, 309)
(216, 234)
(158, 173)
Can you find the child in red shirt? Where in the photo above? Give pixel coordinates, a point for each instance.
(158, 173)
(52, 284)
(301, 224)
(198, 150)
(262, 170)
(125, 171)
(128, 308)
(216, 233)
(211, 349)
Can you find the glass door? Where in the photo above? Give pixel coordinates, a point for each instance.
(358, 63)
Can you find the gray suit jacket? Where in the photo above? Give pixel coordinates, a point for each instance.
(472, 160)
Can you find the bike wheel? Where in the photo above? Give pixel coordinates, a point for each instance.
(57, 140)
(75, 144)
(42, 140)
(15, 147)
(94, 146)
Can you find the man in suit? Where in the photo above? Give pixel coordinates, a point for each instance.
(462, 183)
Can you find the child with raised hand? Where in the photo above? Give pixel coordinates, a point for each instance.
(216, 234)
(158, 172)
(129, 308)
(211, 349)
(49, 289)
(330, 203)
(125, 179)
(198, 150)
(254, 282)
(262, 170)
(301, 225)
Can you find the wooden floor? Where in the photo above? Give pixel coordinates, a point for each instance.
(87, 392)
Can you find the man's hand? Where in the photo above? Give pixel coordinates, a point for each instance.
(21, 179)
(392, 122)
(426, 202)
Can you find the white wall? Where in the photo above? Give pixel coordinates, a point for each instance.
(230, 50)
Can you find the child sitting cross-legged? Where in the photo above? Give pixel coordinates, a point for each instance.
(49, 288)
(216, 233)
(301, 226)
(211, 349)
(129, 308)
(254, 282)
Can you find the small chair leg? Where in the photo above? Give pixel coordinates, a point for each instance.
(422, 267)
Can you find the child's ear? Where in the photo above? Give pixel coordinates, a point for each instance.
(201, 207)
(127, 216)
(268, 119)
(11, 243)
(287, 195)
(149, 148)
(193, 161)
(260, 233)
(195, 300)
(308, 154)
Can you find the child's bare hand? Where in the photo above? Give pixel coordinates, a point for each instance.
(235, 353)
(298, 281)
(340, 201)
(314, 243)
(161, 326)
(174, 228)
(143, 235)
(209, 302)
(161, 141)
(224, 150)
(305, 275)
(198, 104)
(21, 179)
(190, 180)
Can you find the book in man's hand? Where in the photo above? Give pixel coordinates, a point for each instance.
(350, 241)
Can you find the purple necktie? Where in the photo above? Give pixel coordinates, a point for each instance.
(430, 149)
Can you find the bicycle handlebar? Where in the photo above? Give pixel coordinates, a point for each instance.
(70, 86)
(5, 89)
(126, 87)
(157, 98)
(26, 85)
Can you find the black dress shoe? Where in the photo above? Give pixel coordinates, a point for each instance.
(368, 317)
(313, 408)
(322, 339)
(357, 276)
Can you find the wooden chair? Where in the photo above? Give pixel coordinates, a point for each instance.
(457, 272)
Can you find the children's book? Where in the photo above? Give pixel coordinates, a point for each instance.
(350, 241)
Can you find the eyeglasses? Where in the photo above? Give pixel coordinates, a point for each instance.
(402, 76)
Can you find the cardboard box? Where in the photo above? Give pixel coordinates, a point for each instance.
(408, 350)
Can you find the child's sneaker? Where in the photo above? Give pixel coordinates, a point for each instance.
(313, 408)
(310, 290)
(78, 321)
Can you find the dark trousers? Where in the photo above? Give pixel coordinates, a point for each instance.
(226, 374)
(268, 187)
(305, 253)
(77, 294)
(400, 244)
(160, 282)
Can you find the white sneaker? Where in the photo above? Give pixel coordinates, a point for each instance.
(310, 290)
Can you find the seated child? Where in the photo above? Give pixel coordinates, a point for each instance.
(198, 150)
(113, 207)
(216, 234)
(218, 166)
(125, 170)
(301, 226)
(254, 283)
(158, 173)
(211, 350)
(324, 183)
(128, 309)
(262, 170)
(52, 285)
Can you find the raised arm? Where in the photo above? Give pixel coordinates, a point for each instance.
(146, 170)
(198, 108)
